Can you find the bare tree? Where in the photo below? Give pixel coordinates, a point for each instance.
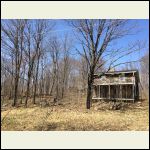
(55, 53)
(41, 28)
(31, 67)
(95, 36)
(14, 31)
(83, 69)
(23, 81)
(30, 55)
(144, 65)
(65, 65)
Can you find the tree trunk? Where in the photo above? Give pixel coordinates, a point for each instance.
(53, 82)
(16, 90)
(63, 86)
(89, 90)
(62, 94)
(35, 85)
(22, 91)
(51, 89)
(28, 87)
(26, 101)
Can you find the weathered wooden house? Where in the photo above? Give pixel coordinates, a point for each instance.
(117, 85)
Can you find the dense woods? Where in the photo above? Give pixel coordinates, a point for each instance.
(35, 62)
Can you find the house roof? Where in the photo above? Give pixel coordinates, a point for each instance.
(122, 71)
(112, 73)
(117, 72)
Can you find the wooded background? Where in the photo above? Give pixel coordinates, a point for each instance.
(35, 62)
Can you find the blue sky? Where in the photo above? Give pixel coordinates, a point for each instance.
(141, 33)
(142, 26)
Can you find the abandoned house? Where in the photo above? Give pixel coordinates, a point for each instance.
(117, 85)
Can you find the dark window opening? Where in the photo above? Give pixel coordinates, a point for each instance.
(104, 91)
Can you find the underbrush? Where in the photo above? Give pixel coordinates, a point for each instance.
(71, 115)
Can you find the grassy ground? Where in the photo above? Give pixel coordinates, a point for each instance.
(72, 116)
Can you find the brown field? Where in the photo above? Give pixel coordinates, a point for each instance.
(72, 116)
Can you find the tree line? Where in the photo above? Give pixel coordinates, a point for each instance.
(35, 63)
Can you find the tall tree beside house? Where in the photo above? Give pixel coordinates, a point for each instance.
(95, 36)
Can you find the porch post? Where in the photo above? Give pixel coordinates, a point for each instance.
(109, 91)
(133, 87)
(120, 91)
(126, 90)
(99, 91)
(133, 92)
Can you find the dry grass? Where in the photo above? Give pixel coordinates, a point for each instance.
(73, 116)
